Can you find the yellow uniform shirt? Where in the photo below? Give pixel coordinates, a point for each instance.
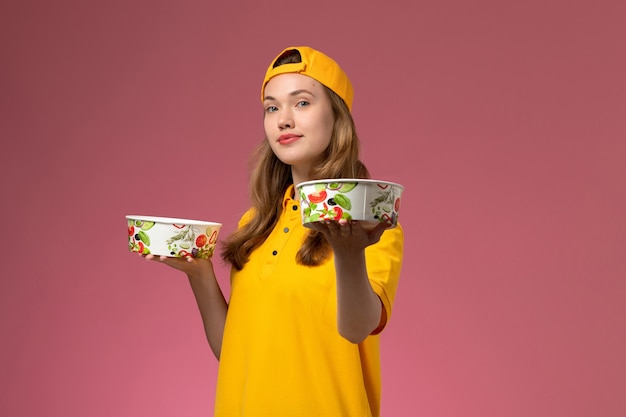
(282, 355)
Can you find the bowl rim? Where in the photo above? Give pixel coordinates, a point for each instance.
(171, 220)
(360, 180)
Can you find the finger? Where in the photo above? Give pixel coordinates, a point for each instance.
(328, 227)
(345, 227)
(314, 226)
(318, 227)
(172, 260)
(356, 225)
(332, 226)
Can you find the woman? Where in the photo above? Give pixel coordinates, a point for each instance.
(299, 335)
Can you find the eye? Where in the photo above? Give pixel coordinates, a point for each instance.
(271, 109)
(302, 103)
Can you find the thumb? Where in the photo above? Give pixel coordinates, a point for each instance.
(378, 231)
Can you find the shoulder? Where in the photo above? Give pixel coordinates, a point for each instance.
(246, 217)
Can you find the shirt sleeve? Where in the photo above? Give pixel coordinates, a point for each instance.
(384, 262)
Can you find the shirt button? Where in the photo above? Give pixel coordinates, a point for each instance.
(295, 207)
(275, 253)
(286, 229)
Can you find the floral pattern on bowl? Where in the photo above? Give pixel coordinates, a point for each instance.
(164, 236)
(369, 201)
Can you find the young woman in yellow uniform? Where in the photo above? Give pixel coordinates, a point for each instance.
(299, 335)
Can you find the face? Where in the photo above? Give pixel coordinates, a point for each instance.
(298, 120)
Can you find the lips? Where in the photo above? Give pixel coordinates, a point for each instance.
(288, 138)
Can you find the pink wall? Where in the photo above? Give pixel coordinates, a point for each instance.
(505, 121)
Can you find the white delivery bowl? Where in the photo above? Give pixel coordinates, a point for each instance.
(166, 236)
(368, 201)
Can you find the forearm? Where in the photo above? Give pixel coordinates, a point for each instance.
(358, 307)
(213, 308)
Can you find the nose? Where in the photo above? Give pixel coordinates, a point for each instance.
(285, 121)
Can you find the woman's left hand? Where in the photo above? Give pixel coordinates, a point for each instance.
(348, 236)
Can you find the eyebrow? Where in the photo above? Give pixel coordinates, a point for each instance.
(293, 93)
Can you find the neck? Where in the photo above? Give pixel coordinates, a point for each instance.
(299, 175)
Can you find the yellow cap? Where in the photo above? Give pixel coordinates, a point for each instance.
(318, 66)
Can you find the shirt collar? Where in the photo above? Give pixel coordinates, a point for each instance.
(288, 200)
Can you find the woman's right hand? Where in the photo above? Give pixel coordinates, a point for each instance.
(193, 267)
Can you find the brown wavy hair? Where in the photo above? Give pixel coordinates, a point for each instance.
(270, 178)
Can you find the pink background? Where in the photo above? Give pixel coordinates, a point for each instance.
(504, 120)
